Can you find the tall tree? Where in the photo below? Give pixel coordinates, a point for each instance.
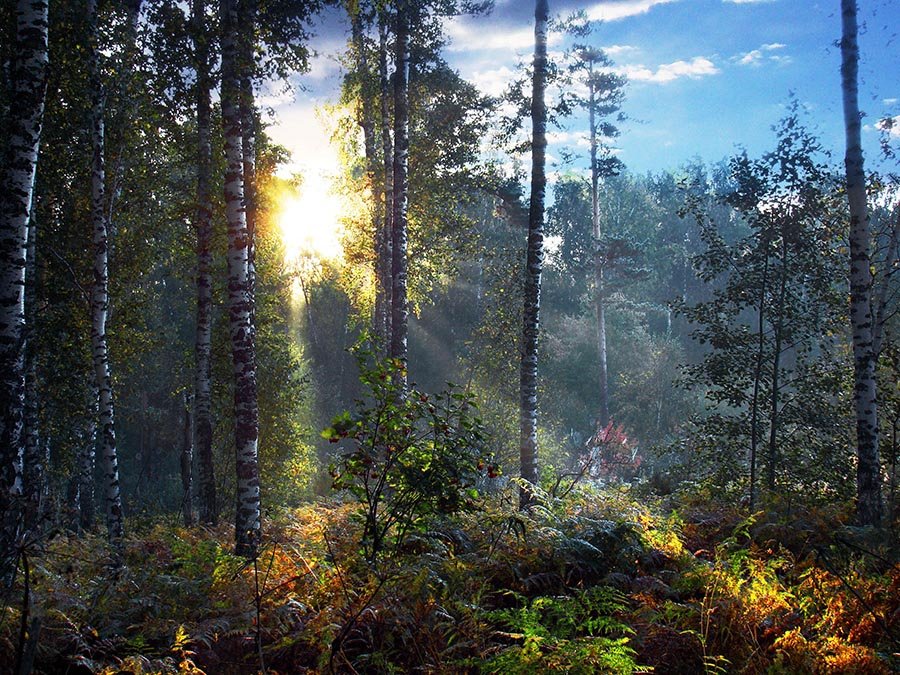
(399, 222)
(28, 88)
(206, 484)
(102, 200)
(534, 259)
(604, 99)
(240, 297)
(868, 471)
(385, 254)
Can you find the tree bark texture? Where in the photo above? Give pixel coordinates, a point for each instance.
(207, 508)
(868, 472)
(100, 290)
(33, 463)
(534, 260)
(30, 57)
(385, 253)
(240, 298)
(399, 225)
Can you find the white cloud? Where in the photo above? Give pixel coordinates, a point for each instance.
(891, 101)
(615, 50)
(621, 9)
(467, 35)
(493, 82)
(697, 67)
(756, 57)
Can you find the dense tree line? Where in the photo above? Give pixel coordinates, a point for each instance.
(687, 325)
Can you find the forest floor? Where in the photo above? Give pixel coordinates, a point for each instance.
(598, 582)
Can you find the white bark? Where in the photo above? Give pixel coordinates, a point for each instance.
(100, 293)
(28, 84)
(868, 476)
(246, 413)
(534, 264)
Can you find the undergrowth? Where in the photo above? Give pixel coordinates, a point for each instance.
(595, 582)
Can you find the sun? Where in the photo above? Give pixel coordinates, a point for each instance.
(310, 221)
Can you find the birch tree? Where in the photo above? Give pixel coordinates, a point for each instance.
(206, 484)
(534, 260)
(399, 222)
(868, 471)
(103, 196)
(29, 84)
(240, 298)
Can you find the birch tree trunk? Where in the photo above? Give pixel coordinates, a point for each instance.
(534, 261)
(385, 253)
(207, 509)
(240, 299)
(29, 84)
(246, 19)
(366, 120)
(34, 468)
(399, 303)
(100, 289)
(868, 471)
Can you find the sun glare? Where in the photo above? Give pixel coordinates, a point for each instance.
(310, 222)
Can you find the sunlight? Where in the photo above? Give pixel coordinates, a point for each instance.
(310, 222)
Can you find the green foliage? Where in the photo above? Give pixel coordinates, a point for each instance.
(573, 634)
(409, 456)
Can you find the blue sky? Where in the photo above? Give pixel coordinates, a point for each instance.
(706, 77)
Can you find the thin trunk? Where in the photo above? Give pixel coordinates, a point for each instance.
(887, 271)
(599, 299)
(100, 291)
(246, 20)
(868, 471)
(28, 88)
(366, 120)
(87, 443)
(757, 380)
(240, 299)
(778, 329)
(33, 456)
(387, 155)
(206, 483)
(399, 304)
(534, 262)
(187, 457)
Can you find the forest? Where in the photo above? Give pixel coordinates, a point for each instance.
(510, 410)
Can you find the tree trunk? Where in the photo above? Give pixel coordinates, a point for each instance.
(534, 262)
(385, 253)
(100, 291)
(186, 461)
(778, 341)
(399, 306)
(868, 471)
(30, 57)
(247, 17)
(366, 120)
(206, 484)
(240, 299)
(85, 460)
(599, 299)
(33, 455)
(757, 379)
